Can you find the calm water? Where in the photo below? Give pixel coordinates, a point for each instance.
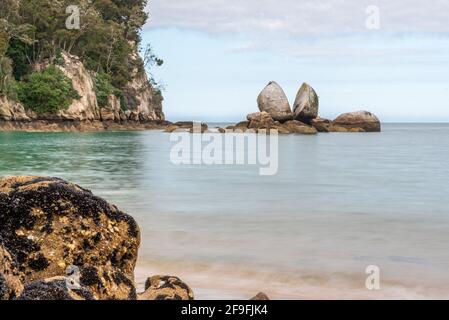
(339, 203)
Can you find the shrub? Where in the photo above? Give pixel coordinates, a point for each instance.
(7, 82)
(47, 91)
(103, 88)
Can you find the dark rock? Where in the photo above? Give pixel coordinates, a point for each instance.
(57, 288)
(49, 224)
(166, 288)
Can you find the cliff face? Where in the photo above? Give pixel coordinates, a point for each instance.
(139, 95)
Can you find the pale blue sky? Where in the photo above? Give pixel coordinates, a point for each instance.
(216, 62)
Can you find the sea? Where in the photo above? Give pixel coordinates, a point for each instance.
(339, 206)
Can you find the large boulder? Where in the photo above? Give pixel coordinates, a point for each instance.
(359, 121)
(166, 288)
(306, 104)
(10, 282)
(273, 100)
(49, 224)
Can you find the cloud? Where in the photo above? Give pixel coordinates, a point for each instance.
(291, 18)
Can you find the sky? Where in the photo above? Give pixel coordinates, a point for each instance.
(390, 57)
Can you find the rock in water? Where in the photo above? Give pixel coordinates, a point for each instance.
(260, 120)
(57, 288)
(322, 125)
(358, 121)
(306, 104)
(296, 126)
(49, 224)
(273, 100)
(166, 288)
(10, 283)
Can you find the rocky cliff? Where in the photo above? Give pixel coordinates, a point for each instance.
(142, 106)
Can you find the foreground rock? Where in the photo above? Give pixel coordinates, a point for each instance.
(260, 120)
(260, 296)
(306, 104)
(273, 100)
(57, 288)
(49, 224)
(166, 288)
(360, 121)
(10, 282)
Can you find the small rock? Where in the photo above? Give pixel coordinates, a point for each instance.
(166, 288)
(260, 120)
(260, 296)
(322, 125)
(299, 127)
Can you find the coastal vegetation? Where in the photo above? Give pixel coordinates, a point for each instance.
(34, 33)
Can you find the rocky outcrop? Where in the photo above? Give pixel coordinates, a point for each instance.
(306, 104)
(57, 288)
(273, 100)
(12, 111)
(140, 96)
(49, 224)
(359, 121)
(166, 288)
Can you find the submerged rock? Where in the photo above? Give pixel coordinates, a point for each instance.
(306, 104)
(49, 224)
(359, 121)
(57, 288)
(166, 288)
(273, 100)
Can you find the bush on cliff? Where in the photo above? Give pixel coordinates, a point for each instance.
(47, 91)
(104, 88)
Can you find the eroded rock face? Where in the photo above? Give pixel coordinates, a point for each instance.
(49, 224)
(306, 104)
(166, 288)
(10, 282)
(359, 121)
(56, 288)
(12, 111)
(273, 100)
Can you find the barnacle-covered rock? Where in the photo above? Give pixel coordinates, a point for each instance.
(166, 288)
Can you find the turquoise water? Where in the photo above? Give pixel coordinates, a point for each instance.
(339, 203)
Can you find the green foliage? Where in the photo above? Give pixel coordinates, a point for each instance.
(7, 83)
(19, 52)
(47, 91)
(104, 88)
